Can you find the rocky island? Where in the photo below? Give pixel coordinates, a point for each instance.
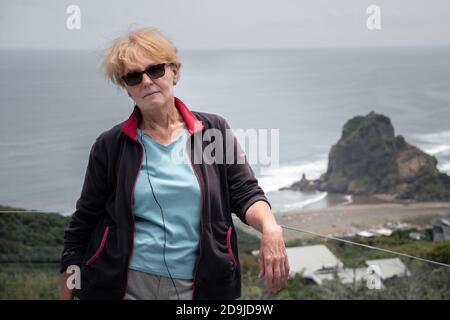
(369, 159)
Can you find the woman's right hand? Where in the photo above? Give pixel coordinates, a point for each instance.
(65, 292)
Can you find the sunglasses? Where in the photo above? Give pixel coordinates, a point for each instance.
(153, 72)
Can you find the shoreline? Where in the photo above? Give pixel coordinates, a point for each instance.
(362, 214)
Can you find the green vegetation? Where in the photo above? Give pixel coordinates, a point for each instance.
(29, 284)
(31, 244)
(30, 250)
(427, 281)
(31, 237)
(369, 159)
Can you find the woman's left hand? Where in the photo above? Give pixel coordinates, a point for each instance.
(273, 260)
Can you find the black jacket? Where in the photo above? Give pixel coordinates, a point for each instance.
(100, 236)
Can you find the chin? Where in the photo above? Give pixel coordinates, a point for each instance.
(152, 102)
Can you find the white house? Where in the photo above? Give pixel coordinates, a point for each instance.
(317, 263)
(389, 268)
(441, 229)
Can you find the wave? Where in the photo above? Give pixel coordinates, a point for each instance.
(271, 179)
(304, 203)
(433, 143)
(437, 149)
(445, 167)
(348, 200)
(436, 144)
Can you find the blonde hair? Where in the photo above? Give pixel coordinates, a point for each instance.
(128, 51)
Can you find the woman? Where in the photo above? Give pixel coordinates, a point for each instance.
(148, 226)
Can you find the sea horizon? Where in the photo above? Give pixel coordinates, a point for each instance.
(49, 123)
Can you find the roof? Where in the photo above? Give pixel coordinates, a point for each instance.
(441, 222)
(309, 259)
(365, 234)
(384, 232)
(346, 276)
(389, 268)
(318, 263)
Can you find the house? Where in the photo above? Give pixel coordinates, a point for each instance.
(441, 229)
(416, 235)
(312, 259)
(317, 264)
(365, 234)
(389, 268)
(384, 232)
(384, 269)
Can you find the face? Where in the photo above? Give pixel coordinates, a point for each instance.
(152, 93)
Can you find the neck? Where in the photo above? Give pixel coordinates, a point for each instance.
(162, 118)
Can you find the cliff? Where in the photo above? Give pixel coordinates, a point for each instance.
(369, 159)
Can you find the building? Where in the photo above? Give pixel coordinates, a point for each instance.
(389, 268)
(441, 229)
(317, 264)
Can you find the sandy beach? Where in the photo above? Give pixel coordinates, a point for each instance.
(357, 216)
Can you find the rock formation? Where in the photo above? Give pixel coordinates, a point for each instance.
(369, 159)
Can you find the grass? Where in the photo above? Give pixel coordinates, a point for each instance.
(31, 244)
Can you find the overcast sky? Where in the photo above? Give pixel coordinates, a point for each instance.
(227, 23)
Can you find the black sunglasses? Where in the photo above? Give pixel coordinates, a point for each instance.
(154, 72)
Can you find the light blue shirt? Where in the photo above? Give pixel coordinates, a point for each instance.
(176, 189)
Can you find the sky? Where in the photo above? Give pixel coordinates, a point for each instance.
(218, 24)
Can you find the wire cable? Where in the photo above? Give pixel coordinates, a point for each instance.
(311, 233)
(365, 246)
(162, 216)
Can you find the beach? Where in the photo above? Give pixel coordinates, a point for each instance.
(357, 216)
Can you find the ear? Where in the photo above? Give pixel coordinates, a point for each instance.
(176, 74)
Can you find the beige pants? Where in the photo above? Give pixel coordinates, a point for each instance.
(145, 286)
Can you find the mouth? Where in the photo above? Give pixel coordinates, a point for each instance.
(149, 94)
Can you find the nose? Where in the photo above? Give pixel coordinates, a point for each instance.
(146, 79)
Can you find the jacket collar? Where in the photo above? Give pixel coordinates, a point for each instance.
(192, 123)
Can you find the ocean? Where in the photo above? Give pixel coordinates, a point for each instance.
(54, 103)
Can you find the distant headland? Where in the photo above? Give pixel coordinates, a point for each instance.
(369, 159)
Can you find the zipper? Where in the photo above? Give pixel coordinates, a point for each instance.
(230, 250)
(100, 248)
(201, 223)
(134, 222)
(132, 219)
